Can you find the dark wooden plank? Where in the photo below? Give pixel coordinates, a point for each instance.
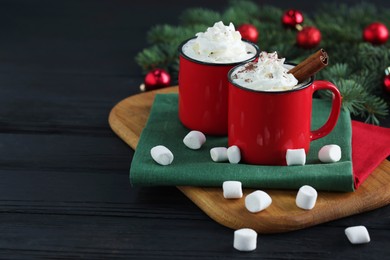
(68, 236)
(97, 37)
(58, 103)
(64, 153)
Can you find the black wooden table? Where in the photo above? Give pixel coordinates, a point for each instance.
(64, 185)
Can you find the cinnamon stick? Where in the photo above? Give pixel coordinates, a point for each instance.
(310, 66)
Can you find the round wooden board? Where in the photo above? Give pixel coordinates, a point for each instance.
(128, 118)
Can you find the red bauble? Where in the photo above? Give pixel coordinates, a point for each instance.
(376, 33)
(156, 78)
(291, 18)
(309, 37)
(386, 81)
(249, 32)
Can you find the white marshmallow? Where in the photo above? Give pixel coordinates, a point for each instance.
(161, 155)
(232, 189)
(306, 197)
(357, 235)
(330, 153)
(234, 154)
(219, 154)
(257, 201)
(296, 156)
(245, 239)
(194, 140)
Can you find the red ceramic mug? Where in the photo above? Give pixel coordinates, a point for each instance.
(203, 92)
(264, 124)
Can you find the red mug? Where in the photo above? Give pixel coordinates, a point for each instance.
(264, 124)
(203, 93)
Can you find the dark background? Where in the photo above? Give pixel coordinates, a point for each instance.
(64, 188)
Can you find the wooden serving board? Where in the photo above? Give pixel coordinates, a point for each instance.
(128, 118)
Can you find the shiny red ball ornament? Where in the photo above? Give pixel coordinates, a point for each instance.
(386, 81)
(309, 37)
(291, 18)
(376, 33)
(249, 32)
(156, 78)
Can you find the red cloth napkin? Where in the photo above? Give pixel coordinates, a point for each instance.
(370, 146)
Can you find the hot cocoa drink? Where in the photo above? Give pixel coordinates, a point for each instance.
(205, 61)
(269, 73)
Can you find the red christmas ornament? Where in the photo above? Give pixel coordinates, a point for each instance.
(386, 80)
(291, 18)
(156, 78)
(376, 33)
(249, 32)
(309, 37)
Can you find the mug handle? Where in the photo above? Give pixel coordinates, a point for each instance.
(334, 113)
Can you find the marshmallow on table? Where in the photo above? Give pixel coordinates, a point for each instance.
(161, 155)
(245, 239)
(257, 201)
(219, 154)
(306, 197)
(232, 189)
(357, 235)
(296, 157)
(194, 140)
(234, 154)
(330, 153)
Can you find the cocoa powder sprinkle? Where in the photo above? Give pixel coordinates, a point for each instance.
(250, 66)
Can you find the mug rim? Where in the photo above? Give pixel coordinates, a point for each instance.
(219, 64)
(304, 86)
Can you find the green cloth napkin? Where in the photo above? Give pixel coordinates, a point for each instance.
(195, 167)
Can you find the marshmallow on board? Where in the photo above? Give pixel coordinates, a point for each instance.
(257, 201)
(306, 197)
(232, 189)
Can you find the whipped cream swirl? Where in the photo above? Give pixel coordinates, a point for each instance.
(267, 74)
(219, 44)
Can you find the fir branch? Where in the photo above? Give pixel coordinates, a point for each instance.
(250, 7)
(356, 67)
(270, 15)
(358, 15)
(352, 93)
(157, 56)
(384, 16)
(336, 72)
(375, 109)
(346, 33)
(271, 39)
(357, 100)
(199, 16)
(368, 80)
(374, 58)
(241, 12)
(172, 34)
